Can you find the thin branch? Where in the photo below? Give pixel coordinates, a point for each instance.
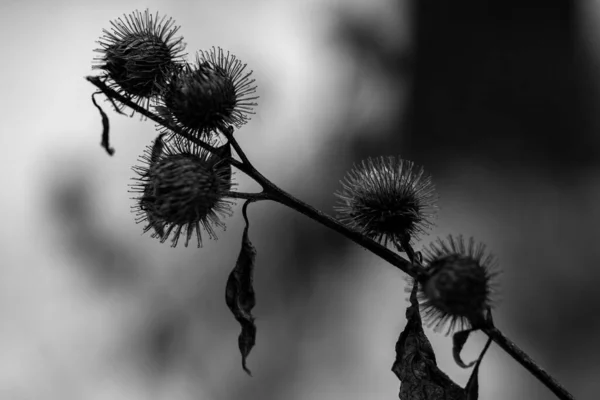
(248, 196)
(228, 132)
(113, 94)
(522, 358)
(273, 192)
(383, 252)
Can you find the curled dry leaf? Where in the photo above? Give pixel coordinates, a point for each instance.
(415, 363)
(472, 388)
(239, 294)
(105, 128)
(459, 339)
(458, 342)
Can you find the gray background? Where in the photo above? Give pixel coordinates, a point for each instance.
(497, 103)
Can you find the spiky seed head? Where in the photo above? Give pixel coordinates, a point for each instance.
(388, 199)
(459, 286)
(181, 187)
(138, 55)
(213, 92)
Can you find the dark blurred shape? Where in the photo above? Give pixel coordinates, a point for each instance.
(163, 338)
(382, 57)
(369, 43)
(103, 255)
(508, 87)
(502, 83)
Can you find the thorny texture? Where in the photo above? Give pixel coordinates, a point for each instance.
(182, 187)
(213, 92)
(387, 199)
(460, 286)
(138, 55)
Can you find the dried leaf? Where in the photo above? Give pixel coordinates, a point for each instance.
(459, 339)
(415, 363)
(239, 294)
(105, 127)
(472, 387)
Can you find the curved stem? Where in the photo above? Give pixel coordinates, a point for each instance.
(272, 192)
(113, 94)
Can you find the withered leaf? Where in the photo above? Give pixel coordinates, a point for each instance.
(105, 128)
(415, 363)
(472, 387)
(239, 294)
(458, 342)
(459, 339)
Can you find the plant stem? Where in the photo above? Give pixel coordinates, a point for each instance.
(493, 333)
(113, 94)
(522, 358)
(274, 193)
(248, 196)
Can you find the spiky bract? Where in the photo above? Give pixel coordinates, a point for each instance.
(182, 187)
(139, 54)
(214, 92)
(460, 285)
(388, 199)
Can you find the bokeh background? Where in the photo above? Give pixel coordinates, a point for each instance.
(496, 99)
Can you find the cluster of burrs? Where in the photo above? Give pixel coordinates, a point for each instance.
(392, 201)
(183, 187)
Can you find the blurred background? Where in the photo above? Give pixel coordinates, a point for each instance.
(496, 99)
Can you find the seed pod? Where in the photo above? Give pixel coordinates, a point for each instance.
(139, 54)
(182, 187)
(212, 93)
(460, 285)
(388, 199)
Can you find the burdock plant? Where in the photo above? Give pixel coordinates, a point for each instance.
(181, 188)
(385, 204)
(137, 55)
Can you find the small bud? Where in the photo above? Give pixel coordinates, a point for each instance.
(211, 93)
(182, 187)
(139, 54)
(387, 199)
(459, 287)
